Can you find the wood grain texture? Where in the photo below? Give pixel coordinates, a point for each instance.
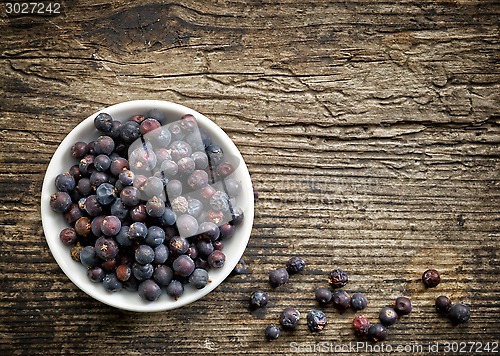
(371, 129)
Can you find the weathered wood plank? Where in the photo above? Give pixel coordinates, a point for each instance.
(371, 129)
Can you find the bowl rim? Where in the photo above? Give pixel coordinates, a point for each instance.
(51, 227)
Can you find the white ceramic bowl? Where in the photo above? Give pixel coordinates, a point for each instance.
(53, 222)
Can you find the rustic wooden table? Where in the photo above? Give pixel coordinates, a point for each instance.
(371, 130)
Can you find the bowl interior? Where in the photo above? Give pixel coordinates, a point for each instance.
(53, 222)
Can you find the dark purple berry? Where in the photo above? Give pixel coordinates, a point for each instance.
(341, 300)
(123, 273)
(175, 289)
(126, 177)
(258, 299)
(68, 236)
(403, 306)
(377, 332)
(161, 254)
(79, 150)
(205, 248)
(278, 277)
(142, 272)
(109, 265)
(272, 332)
(240, 267)
(201, 262)
(130, 196)
(168, 218)
(138, 231)
(459, 313)
(74, 170)
(98, 178)
(149, 290)
(88, 257)
(295, 265)
(138, 213)
(178, 245)
(337, 278)
(104, 145)
(129, 132)
(186, 166)
(106, 248)
(443, 304)
(199, 278)
(226, 231)
(114, 133)
(73, 214)
(111, 225)
(118, 165)
(183, 265)
(83, 227)
(118, 209)
(316, 320)
(96, 274)
(103, 122)
(388, 316)
(209, 231)
(153, 187)
(163, 275)
(144, 254)
(149, 125)
(92, 206)
(102, 163)
(431, 278)
(323, 296)
(106, 193)
(86, 164)
(289, 318)
(361, 324)
(155, 236)
(111, 283)
(60, 202)
(358, 301)
(155, 207)
(65, 182)
(84, 187)
(216, 259)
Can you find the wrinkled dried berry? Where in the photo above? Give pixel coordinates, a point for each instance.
(289, 318)
(258, 299)
(361, 324)
(295, 265)
(316, 320)
(338, 278)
